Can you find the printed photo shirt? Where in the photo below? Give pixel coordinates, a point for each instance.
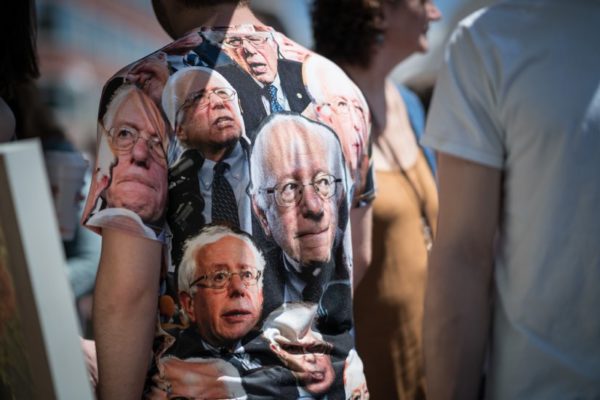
(243, 153)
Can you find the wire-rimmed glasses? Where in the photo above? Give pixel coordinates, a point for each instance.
(220, 279)
(124, 138)
(290, 192)
(237, 42)
(201, 98)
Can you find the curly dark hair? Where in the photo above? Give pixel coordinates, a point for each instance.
(347, 31)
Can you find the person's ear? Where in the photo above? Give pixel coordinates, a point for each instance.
(180, 132)
(187, 302)
(260, 214)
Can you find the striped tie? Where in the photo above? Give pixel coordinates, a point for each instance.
(271, 92)
(224, 206)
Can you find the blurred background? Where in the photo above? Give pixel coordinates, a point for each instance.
(81, 43)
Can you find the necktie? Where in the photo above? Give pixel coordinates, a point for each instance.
(271, 92)
(191, 59)
(224, 206)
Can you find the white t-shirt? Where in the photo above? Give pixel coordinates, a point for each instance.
(520, 91)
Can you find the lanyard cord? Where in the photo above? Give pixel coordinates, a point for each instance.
(422, 202)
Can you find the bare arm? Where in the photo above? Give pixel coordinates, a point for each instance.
(459, 288)
(125, 304)
(362, 225)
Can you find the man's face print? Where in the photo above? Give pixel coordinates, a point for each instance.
(209, 117)
(223, 316)
(256, 53)
(138, 180)
(304, 227)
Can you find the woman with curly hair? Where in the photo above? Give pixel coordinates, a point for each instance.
(368, 40)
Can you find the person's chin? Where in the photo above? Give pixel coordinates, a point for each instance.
(136, 189)
(225, 140)
(315, 248)
(235, 333)
(265, 79)
(146, 211)
(423, 46)
(228, 134)
(320, 387)
(316, 256)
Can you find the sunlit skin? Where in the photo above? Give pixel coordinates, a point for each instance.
(306, 230)
(260, 61)
(224, 316)
(408, 23)
(139, 178)
(214, 129)
(315, 371)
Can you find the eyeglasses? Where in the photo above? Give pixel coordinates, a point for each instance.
(290, 193)
(220, 279)
(341, 106)
(238, 41)
(124, 138)
(317, 348)
(202, 98)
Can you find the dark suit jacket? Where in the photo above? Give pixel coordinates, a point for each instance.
(184, 212)
(271, 381)
(331, 289)
(186, 204)
(250, 93)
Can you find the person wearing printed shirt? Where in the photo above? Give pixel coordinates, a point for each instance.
(134, 272)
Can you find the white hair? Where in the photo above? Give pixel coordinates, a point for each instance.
(114, 104)
(178, 87)
(209, 235)
(259, 172)
(120, 96)
(106, 157)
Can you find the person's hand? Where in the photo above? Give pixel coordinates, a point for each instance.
(314, 371)
(151, 74)
(196, 378)
(88, 347)
(290, 50)
(183, 45)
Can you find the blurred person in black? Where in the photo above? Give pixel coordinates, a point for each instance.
(23, 115)
(18, 59)
(385, 33)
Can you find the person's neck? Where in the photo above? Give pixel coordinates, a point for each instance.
(226, 14)
(372, 80)
(218, 153)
